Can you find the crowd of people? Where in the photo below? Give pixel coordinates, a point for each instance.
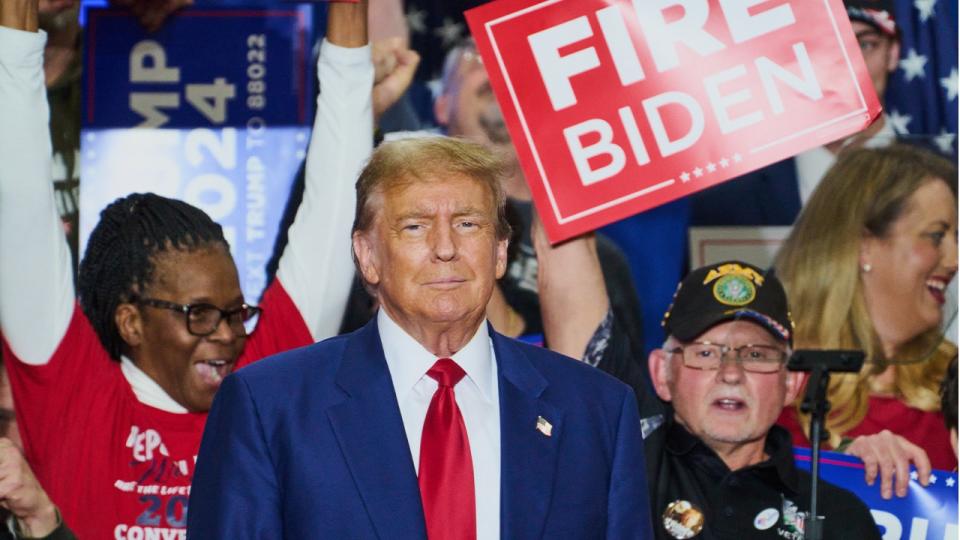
(393, 401)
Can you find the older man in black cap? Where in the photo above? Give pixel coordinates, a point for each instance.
(717, 465)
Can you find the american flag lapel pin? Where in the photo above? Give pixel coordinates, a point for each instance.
(543, 426)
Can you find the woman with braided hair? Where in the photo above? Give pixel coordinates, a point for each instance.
(112, 391)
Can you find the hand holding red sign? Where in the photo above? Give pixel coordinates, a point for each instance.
(616, 107)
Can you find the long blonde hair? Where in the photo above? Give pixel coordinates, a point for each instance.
(864, 193)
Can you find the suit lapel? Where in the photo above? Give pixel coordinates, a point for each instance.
(528, 456)
(370, 432)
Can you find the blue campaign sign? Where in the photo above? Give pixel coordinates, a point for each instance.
(926, 513)
(203, 67)
(212, 109)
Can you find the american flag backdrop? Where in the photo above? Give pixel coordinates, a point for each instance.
(922, 93)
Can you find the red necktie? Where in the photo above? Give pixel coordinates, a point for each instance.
(446, 468)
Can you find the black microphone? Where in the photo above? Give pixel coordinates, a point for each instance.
(820, 363)
(836, 361)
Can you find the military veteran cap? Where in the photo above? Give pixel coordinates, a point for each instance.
(725, 291)
(878, 13)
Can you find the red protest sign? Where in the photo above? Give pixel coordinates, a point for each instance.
(616, 106)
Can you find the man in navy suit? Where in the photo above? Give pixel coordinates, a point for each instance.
(425, 423)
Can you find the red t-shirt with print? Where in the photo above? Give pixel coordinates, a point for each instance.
(117, 468)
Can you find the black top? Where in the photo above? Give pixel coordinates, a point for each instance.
(761, 501)
(766, 500)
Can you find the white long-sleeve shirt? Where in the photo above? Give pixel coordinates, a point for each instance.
(477, 395)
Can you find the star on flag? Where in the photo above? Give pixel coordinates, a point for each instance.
(925, 8)
(944, 141)
(416, 20)
(450, 32)
(913, 65)
(950, 85)
(899, 121)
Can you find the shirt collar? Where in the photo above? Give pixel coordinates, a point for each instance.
(778, 446)
(408, 360)
(146, 389)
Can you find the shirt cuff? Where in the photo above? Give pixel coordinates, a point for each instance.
(61, 532)
(599, 341)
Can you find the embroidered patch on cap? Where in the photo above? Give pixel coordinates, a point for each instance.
(734, 290)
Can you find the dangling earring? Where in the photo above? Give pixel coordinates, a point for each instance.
(866, 267)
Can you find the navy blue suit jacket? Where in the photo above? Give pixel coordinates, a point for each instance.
(310, 444)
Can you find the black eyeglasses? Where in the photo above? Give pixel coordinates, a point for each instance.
(754, 358)
(203, 319)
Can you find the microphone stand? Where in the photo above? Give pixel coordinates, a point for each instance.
(819, 364)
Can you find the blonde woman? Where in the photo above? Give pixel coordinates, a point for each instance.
(865, 268)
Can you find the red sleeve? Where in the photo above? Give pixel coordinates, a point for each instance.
(280, 328)
(48, 397)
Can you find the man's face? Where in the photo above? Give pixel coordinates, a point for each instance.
(728, 407)
(880, 52)
(432, 251)
(468, 107)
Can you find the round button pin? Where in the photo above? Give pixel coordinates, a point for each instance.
(766, 519)
(682, 519)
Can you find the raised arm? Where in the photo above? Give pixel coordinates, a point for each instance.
(36, 285)
(573, 295)
(316, 268)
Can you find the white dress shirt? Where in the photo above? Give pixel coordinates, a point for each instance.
(813, 164)
(477, 396)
